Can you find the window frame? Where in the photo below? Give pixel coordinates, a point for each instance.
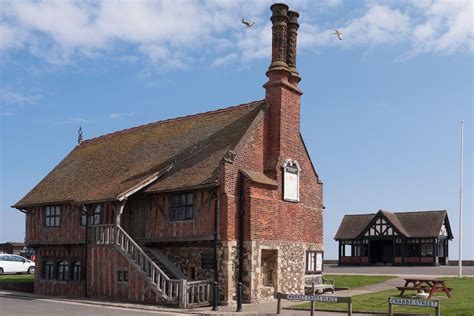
(48, 270)
(62, 268)
(94, 219)
(122, 276)
(313, 255)
(76, 271)
(177, 207)
(52, 216)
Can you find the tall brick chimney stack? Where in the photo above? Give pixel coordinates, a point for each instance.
(281, 90)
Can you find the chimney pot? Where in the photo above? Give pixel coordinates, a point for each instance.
(291, 44)
(279, 37)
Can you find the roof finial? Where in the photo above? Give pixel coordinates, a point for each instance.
(79, 136)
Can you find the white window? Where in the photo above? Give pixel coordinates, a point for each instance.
(314, 262)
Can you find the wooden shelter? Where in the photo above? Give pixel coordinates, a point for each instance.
(402, 238)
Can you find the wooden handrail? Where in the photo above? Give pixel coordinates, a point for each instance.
(178, 291)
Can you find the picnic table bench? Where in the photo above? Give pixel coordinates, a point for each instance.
(430, 285)
(317, 283)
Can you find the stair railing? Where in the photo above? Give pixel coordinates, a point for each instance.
(170, 289)
(178, 291)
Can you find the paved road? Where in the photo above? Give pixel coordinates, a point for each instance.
(401, 271)
(15, 305)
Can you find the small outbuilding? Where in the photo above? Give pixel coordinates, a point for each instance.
(11, 247)
(400, 238)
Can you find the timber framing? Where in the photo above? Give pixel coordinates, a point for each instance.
(403, 238)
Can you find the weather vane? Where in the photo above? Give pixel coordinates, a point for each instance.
(79, 136)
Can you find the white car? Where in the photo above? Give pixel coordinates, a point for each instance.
(15, 264)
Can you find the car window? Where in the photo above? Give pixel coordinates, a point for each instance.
(7, 258)
(16, 258)
(3, 258)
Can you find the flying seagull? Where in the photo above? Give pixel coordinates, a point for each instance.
(338, 34)
(248, 23)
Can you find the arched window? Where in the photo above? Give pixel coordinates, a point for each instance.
(63, 270)
(48, 269)
(76, 271)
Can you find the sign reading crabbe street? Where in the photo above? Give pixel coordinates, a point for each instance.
(413, 302)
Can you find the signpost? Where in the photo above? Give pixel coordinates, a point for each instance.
(413, 302)
(314, 298)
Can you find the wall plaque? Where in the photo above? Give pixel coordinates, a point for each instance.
(291, 181)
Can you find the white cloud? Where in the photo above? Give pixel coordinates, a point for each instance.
(220, 61)
(448, 27)
(15, 98)
(175, 34)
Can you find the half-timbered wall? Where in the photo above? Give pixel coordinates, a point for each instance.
(69, 230)
(148, 218)
(103, 266)
(56, 254)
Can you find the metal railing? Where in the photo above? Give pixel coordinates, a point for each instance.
(175, 291)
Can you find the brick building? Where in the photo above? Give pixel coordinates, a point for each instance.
(400, 238)
(161, 212)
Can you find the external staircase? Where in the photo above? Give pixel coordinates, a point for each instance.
(168, 282)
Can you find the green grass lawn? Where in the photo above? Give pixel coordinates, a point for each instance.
(461, 303)
(353, 281)
(20, 278)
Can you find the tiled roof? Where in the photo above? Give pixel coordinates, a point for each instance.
(259, 177)
(409, 224)
(187, 150)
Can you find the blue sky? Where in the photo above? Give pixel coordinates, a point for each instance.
(380, 110)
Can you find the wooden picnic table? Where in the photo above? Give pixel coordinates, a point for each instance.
(428, 285)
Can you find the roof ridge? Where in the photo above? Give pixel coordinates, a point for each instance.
(179, 118)
(419, 211)
(364, 214)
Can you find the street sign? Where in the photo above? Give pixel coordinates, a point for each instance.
(413, 302)
(314, 298)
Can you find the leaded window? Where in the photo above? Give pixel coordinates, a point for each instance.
(48, 270)
(182, 206)
(97, 216)
(52, 216)
(76, 271)
(94, 219)
(63, 270)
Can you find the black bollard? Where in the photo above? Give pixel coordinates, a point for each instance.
(215, 296)
(240, 292)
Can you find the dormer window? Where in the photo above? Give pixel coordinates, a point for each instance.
(291, 181)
